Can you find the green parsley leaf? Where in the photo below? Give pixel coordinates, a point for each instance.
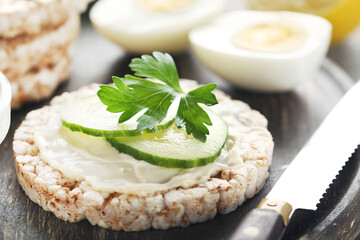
(133, 94)
(192, 115)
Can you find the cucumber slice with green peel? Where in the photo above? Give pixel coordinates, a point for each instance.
(89, 115)
(173, 147)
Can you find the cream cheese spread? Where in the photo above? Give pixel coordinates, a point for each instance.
(93, 159)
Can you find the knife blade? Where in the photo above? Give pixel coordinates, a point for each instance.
(311, 172)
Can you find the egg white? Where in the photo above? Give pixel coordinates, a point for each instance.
(140, 31)
(257, 70)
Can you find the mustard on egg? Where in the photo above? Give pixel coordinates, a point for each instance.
(270, 37)
(162, 5)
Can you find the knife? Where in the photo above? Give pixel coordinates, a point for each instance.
(311, 172)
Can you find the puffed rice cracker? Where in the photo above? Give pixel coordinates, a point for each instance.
(74, 201)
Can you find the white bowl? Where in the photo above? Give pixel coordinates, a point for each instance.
(5, 106)
(256, 70)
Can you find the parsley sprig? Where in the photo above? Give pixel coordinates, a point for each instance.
(132, 94)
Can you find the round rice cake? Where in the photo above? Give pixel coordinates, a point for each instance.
(23, 54)
(39, 83)
(24, 17)
(73, 200)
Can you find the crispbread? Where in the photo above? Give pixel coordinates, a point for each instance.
(21, 17)
(22, 54)
(75, 200)
(39, 83)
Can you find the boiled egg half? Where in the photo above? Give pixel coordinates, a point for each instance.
(143, 26)
(264, 51)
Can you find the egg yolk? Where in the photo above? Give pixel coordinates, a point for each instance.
(162, 5)
(270, 37)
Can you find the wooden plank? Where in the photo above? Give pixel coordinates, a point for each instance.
(292, 116)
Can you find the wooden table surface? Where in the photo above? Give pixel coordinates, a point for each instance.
(293, 117)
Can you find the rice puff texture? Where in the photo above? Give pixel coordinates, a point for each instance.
(39, 83)
(29, 17)
(23, 54)
(74, 201)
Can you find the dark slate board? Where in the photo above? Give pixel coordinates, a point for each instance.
(293, 117)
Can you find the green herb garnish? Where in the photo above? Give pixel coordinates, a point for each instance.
(133, 94)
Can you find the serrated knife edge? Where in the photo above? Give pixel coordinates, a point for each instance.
(324, 155)
(310, 174)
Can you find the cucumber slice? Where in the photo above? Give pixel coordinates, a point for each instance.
(173, 147)
(89, 115)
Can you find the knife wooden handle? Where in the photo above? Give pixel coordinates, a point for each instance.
(259, 224)
(264, 223)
